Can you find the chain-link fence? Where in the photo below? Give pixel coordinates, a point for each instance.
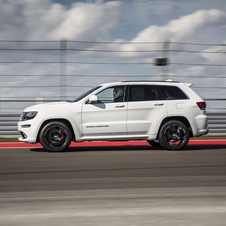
(43, 71)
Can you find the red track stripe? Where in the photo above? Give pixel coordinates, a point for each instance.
(206, 142)
(112, 143)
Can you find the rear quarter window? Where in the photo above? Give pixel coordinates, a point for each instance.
(172, 93)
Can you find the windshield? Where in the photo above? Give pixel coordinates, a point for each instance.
(86, 94)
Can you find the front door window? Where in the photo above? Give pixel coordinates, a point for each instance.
(112, 94)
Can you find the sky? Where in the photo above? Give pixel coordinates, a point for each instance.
(123, 22)
(129, 20)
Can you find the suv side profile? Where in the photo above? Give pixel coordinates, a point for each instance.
(164, 114)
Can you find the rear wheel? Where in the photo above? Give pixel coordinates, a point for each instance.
(55, 136)
(174, 135)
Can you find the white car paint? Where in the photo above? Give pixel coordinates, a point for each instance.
(127, 120)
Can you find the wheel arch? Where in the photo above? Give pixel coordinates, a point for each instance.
(179, 118)
(67, 122)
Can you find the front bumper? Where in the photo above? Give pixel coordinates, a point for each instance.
(28, 134)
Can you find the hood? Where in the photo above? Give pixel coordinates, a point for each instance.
(47, 105)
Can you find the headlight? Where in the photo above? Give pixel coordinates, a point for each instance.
(28, 115)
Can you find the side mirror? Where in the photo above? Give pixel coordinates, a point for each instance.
(93, 99)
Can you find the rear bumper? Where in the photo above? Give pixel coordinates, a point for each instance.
(201, 122)
(201, 133)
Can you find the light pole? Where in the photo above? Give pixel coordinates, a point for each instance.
(63, 76)
(164, 60)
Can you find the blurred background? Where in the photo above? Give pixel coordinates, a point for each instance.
(56, 50)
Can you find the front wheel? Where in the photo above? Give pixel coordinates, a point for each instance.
(55, 136)
(174, 135)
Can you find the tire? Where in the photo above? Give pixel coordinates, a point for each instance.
(174, 135)
(55, 136)
(154, 143)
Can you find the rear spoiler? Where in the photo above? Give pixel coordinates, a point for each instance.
(187, 84)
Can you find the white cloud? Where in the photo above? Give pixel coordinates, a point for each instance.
(186, 27)
(89, 21)
(42, 20)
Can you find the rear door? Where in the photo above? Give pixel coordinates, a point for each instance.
(145, 110)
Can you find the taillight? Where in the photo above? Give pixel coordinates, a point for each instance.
(202, 105)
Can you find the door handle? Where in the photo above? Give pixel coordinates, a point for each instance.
(120, 106)
(158, 104)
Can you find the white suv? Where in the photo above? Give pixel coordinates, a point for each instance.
(164, 114)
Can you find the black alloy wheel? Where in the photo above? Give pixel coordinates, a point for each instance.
(55, 136)
(174, 135)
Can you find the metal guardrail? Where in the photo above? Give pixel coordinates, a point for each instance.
(8, 124)
(217, 124)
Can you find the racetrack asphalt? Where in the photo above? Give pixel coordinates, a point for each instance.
(114, 184)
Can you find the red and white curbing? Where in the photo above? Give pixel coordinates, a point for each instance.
(110, 143)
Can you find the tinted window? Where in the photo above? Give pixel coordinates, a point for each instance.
(172, 93)
(142, 93)
(112, 94)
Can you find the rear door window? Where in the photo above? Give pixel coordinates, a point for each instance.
(142, 93)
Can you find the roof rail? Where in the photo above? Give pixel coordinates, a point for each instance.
(168, 80)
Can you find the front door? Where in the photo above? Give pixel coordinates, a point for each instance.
(108, 116)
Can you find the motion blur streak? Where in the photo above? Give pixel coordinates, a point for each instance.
(199, 206)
